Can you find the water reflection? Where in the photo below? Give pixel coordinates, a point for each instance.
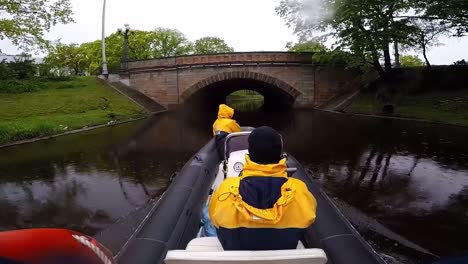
(87, 181)
(412, 178)
(406, 175)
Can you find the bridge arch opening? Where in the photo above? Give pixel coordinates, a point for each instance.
(211, 92)
(245, 100)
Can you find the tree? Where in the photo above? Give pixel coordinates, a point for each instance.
(321, 55)
(211, 45)
(169, 42)
(411, 61)
(161, 42)
(142, 45)
(364, 27)
(367, 27)
(454, 13)
(71, 57)
(427, 36)
(24, 22)
(306, 46)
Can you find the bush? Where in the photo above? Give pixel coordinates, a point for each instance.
(20, 86)
(5, 71)
(19, 69)
(24, 69)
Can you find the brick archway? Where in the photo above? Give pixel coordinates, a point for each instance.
(248, 75)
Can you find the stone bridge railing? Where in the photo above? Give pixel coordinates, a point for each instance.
(228, 59)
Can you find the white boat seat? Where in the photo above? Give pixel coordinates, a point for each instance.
(206, 244)
(212, 244)
(290, 256)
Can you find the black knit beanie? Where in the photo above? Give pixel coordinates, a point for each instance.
(265, 145)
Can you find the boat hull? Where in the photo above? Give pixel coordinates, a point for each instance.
(175, 220)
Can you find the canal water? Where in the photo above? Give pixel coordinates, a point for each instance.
(404, 184)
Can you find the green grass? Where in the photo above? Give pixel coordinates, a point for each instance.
(245, 100)
(62, 106)
(450, 108)
(245, 95)
(365, 104)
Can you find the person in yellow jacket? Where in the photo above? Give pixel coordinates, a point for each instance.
(223, 126)
(263, 209)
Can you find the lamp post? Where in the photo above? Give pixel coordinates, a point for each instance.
(124, 62)
(105, 72)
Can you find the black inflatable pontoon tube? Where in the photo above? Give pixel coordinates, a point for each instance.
(175, 219)
(332, 231)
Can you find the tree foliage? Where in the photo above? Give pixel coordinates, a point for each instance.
(211, 45)
(161, 42)
(322, 55)
(24, 22)
(306, 46)
(411, 61)
(164, 42)
(68, 58)
(367, 27)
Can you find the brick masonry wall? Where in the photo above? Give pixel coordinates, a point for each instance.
(333, 81)
(171, 80)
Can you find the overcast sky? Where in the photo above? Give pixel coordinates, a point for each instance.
(246, 25)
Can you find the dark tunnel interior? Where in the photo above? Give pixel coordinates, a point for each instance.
(209, 97)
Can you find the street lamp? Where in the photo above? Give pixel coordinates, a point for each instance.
(105, 72)
(124, 63)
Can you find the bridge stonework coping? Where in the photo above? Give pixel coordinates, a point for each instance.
(171, 81)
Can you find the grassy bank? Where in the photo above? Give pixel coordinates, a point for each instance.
(245, 100)
(443, 107)
(60, 106)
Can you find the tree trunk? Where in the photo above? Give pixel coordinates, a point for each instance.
(379, 68)
(425, 56)
(388, 59)
(397, 55)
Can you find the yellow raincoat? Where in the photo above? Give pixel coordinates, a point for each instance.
(262, 210)
(225, 123)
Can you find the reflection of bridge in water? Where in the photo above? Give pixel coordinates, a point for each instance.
(283, 78)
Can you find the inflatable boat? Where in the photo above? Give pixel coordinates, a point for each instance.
(171, 232)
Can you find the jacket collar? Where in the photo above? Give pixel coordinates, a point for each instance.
(272, 170)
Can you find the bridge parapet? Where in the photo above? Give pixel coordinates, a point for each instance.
(244, 58)
(282, 76)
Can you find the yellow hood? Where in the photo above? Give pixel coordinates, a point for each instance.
(272, 170)
(225, 111)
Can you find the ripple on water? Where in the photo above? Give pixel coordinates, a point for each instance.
(410, 176)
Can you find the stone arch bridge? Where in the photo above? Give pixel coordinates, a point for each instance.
(281, 77)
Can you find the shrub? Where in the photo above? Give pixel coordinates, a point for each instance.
(20, 86)
(5, 71)
(23, 69)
